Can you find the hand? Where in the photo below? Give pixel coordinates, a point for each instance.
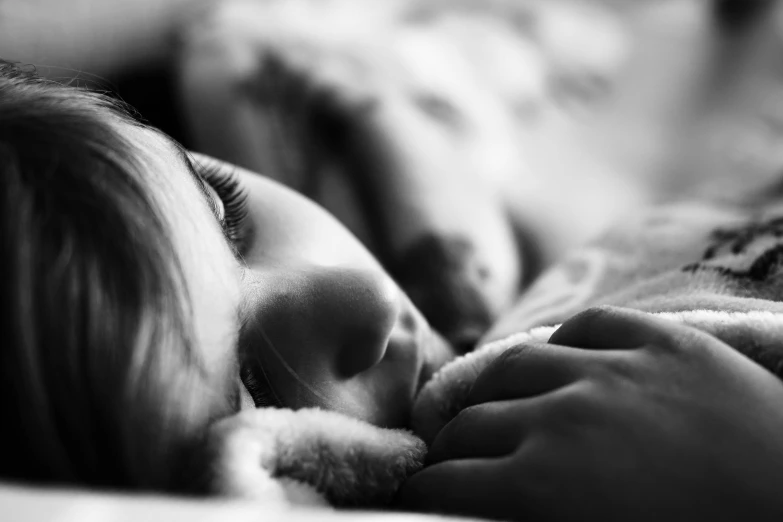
(623, 416)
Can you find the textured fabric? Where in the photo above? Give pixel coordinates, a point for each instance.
(716, 267)
(310, 457)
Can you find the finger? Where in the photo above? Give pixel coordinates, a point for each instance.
(490, 430)
(611, 328)
(462, 487)
(532, 369)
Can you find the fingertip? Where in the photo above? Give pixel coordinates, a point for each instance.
(605, 327)
(575, 331)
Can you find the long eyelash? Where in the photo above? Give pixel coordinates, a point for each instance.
(261, 392)
(234, 199)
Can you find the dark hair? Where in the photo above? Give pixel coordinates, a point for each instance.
(98, 382)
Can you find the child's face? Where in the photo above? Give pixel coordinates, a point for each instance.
(309, 312)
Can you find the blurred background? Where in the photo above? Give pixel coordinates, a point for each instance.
(672, 58)
(544, 120)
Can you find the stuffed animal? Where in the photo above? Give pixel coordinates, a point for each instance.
(397, 115)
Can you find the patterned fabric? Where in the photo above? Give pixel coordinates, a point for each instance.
(675, 258)
(714, 266)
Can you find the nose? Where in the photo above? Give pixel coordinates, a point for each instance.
(322, 323)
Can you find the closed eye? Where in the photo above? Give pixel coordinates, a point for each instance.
(234, 218)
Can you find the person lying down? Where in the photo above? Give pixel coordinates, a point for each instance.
(697, 284)
(176, 325)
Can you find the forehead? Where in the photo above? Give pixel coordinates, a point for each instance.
(210, 270)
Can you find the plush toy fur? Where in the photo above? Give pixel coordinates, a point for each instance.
(310, 457)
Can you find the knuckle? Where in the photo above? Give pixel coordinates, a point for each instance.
(463, 423)
(466, 417)
(575, 406)
(620, 369)
(456, 434)
(677, 340)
